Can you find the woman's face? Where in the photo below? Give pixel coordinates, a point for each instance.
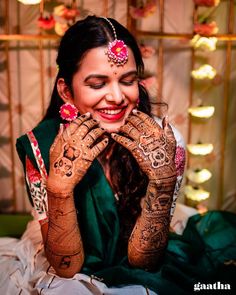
(108, 92)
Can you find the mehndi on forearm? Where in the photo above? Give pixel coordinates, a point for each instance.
(149, 237)
(63, 246)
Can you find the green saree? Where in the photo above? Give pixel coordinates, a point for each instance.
(204, 253)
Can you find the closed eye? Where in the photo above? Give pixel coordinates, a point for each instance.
(97, 85)
(129, 82)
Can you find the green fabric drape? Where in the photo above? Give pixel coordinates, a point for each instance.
(202, 254)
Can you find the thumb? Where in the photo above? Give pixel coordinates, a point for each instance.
(61, 129)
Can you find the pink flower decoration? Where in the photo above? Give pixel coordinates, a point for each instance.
(70, 13)
(208, 3)
(32, 172)
(180, 160)
(206, 29)
(68, 112)
(117, 52)
(66, 12)
(61, 28)
(143, 11)
(46, 23)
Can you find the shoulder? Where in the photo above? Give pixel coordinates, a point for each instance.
(178, 136)
(45, 133)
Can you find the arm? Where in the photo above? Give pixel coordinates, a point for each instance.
(154, 149)
(63, 243)
(60, 211)
(70, 157)
(149, 237)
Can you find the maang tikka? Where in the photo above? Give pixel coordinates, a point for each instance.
(117, 50)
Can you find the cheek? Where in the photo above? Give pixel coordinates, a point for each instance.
(132, 94)
(85, 100)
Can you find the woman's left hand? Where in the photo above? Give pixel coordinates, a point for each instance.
(152, 146)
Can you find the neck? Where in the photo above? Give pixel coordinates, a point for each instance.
(105, 156)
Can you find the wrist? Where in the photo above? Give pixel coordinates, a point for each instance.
(164, 185)
(55, 187)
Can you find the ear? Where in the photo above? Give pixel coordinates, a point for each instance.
(64, 91)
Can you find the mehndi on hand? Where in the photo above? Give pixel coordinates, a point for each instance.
(73, 151)
(152, 146)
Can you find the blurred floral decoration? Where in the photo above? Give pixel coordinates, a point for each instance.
(198, 175)
(204, 29)
(29, 2)
(204, 72)
(58, 17)
(143, 9)
(204, 43)
(202, 112)
(207, 3)
(200, 149)
(196, 193)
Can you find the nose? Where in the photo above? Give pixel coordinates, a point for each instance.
(115, 95)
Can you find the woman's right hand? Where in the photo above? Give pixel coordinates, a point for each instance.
(72, 153)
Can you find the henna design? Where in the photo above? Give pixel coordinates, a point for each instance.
(65, 262)
(64, 166)
(63, 246)
(71, 155)
(154, 148)
(152, 236)
(73, 151)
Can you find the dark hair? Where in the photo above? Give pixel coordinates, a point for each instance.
(84, 35)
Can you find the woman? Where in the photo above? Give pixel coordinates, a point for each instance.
(103, 175)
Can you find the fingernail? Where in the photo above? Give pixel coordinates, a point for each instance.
(86, 115)
(106, 140)
(167, 119)
(61, 127)
(134, 111)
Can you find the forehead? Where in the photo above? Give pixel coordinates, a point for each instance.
(96, 61)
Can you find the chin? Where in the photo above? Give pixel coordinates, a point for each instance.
(111, 129)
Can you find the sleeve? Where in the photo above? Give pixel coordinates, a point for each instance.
(37, 190)
(180, 158)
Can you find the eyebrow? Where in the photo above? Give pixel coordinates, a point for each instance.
(105, 77)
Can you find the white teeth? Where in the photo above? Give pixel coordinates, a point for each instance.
(111, 112)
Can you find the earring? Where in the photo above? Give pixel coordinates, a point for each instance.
(68, 112)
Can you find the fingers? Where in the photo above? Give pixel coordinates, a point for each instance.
(93, 135)
(145, 118)
(142, 121)
(85, 128)
(124, 141)
(74, 125)
(130, 130)
(167, 128)
(99, 147)
(61, 129)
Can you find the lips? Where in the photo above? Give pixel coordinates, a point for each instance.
(112, 114)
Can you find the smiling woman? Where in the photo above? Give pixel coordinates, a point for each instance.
(108, 93)
(103, 174)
